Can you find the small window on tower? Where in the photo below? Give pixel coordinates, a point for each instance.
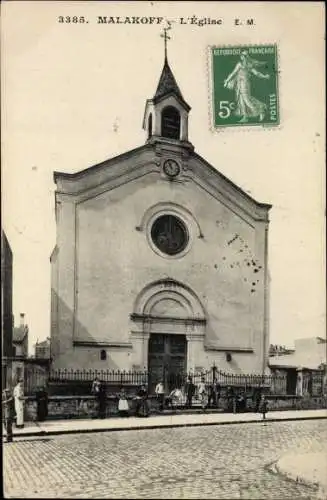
(103, 355)
(170, 123)
(150, 126)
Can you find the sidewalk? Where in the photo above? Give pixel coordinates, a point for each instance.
(305, 468)
(53, 427)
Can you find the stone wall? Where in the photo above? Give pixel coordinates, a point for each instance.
(61, 407)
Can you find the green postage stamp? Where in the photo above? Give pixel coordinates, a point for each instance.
(245, 85)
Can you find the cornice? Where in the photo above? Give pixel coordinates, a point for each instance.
(209, 347)
(164, 319)
(96, 344)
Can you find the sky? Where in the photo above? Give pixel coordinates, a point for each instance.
(73, 95)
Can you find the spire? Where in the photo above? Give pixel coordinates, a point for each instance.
(166, 114)
(167, 83)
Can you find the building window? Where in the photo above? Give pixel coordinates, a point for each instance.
(170, 123)
(150, 126)
(103, 355)
(169, 234)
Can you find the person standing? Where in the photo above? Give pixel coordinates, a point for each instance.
(257, 400)
(202, 391)
(123, 406)
(190, 391)
(263, 406)
(19, 403)
(96, 391)
(142, 405)
(212, 397)
(42, 404)
(102, 401)
(8, 413)
(160, 392)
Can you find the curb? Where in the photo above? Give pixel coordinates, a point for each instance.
(320, 493)
(163, 426)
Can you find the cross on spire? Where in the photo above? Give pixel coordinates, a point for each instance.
(165, 36)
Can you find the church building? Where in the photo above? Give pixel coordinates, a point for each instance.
(160, 260)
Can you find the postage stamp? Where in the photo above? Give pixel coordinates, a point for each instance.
(245, 85)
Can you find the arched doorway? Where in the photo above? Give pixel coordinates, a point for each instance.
(168, 332)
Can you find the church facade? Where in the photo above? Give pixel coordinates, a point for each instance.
(160, 261)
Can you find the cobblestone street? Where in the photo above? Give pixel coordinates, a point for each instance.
(229, 461)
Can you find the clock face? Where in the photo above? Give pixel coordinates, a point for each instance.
(171, 168)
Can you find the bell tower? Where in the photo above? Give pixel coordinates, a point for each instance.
(166, 114)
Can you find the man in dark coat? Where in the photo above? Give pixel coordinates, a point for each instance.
(42, 404)
(142, 404)
(190, 391)
(102, 401)
(8, 412)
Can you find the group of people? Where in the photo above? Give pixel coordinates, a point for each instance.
(142, 407)
(13, 407)
(208, 394)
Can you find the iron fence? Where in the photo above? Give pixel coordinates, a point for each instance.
(115, 377)
(36, 376)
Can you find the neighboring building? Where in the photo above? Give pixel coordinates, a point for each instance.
(42, 349)
(20, 350)
(309, 356)
(6, 308)
(20, 338)
(160, 260)
(276, 349)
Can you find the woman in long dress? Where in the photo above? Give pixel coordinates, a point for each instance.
(123, 407)
(239, 80)
(19, 403)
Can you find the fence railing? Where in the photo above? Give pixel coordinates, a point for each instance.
(36, 376)
(108, 376)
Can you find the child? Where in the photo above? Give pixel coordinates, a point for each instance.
(123, 406)
(263, 406)
(175, 398)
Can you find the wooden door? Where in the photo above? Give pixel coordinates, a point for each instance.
(167, 360)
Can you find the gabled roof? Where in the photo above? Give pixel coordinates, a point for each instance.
(167, 85)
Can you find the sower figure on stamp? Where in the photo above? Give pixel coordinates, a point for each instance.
(8, 412)
(19, 403)
(239, 80)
